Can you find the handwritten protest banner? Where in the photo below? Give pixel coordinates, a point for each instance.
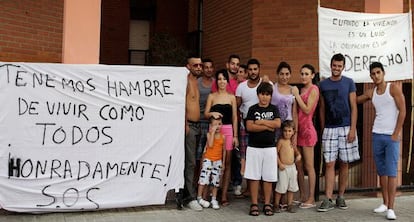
(364, 38)
(86, 137)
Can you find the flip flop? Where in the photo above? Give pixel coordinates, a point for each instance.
(246, 194)
(306, 206)
(297, 202)
(225, 203)
(239, 196)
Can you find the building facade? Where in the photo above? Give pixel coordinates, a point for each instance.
(155, 32)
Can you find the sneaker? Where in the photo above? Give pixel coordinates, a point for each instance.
(215, 205)
(340, 203)
(203, 203)
(237, 190)
(193, 205)
(381, 209)
(391, 214)
(326, 205)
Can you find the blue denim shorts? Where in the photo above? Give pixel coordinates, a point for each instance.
(386, 154)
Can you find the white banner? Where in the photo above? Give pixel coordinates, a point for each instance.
(86, 137)
(364, 38)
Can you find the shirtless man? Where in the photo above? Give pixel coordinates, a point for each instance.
(192, 130)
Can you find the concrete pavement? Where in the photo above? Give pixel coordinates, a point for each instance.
(360, 209)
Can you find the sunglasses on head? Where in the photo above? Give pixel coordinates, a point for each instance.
(195, 65)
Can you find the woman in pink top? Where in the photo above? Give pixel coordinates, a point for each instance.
(307, 101)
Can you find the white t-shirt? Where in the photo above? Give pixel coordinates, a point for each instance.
(248, 96)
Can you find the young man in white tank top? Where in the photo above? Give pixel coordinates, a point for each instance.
(389, 104)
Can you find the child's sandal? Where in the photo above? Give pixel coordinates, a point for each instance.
(254, 210)
(268, 209)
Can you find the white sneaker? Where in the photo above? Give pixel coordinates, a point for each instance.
(215, 205)
(391, 214)
(237, 190)
(204, 203)
(193, 205)
(381, 209)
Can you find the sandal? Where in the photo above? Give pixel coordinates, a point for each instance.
(307, 205)
(225, 203)
(277, 209)
(246, 194)
(268, 209)
(292, 208)
(254, 210)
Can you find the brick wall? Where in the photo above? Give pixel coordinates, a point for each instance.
(227, 29)
(172, 17)
(31, 31)
(269, 30)
(114, 32)
(192, 15)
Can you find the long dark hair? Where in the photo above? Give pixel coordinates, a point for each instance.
(225, 74)
(283, 65)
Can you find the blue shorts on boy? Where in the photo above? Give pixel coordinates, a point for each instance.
(386, 154)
